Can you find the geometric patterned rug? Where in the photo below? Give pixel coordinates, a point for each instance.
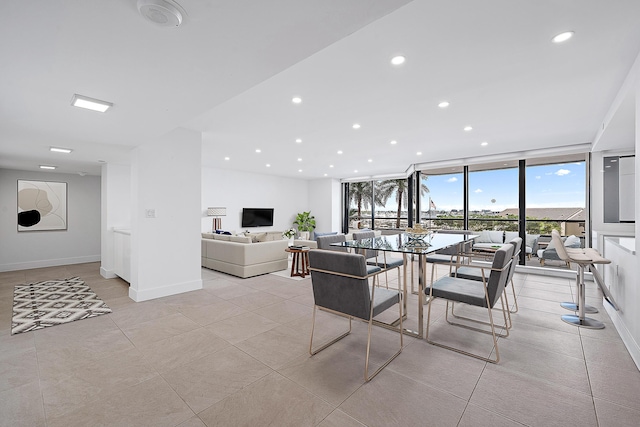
(53, 302)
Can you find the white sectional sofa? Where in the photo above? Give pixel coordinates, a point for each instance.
(245, 256)
(491, 238)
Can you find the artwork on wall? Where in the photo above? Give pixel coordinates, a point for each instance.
(42, 206)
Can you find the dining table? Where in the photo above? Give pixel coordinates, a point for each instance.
(410, 245)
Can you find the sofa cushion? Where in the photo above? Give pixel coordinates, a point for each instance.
(510, 235)
(207, 235)
(240, 239)
(223, 237)
(531, 240)
(490, 236)
(317, 234)
(572, 242)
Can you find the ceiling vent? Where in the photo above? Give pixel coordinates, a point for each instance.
(165, 13)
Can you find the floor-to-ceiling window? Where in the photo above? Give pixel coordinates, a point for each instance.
(442, 199)
(391, 203)
(493, 197)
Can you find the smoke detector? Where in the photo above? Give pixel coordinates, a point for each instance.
(165, 13)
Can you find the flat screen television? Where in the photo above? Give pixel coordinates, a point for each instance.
(257, 217)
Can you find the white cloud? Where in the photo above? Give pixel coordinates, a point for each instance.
(538, 177)
(562, 172)
(478, 191)
(452, 179)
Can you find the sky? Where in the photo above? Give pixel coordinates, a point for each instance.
(557, 185)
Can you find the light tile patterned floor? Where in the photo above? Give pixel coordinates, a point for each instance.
(236, 353)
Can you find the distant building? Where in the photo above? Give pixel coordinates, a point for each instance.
(561, 215)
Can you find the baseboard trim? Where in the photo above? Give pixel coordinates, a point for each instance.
(178, 288)
(627, 337)
(49, 263)
(107, 274)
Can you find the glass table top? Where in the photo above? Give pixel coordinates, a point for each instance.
(409, 243)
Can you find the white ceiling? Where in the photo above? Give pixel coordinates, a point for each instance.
(232, 68)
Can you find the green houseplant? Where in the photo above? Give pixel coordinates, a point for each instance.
(306, 223)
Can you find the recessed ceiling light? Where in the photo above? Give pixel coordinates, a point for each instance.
(370, 160)
(419, 153)
(325, 174)
(226, 158)
(90, 103)
(298, 140)
(299, 170)
(356, 126)
(330, 166)
(299, 159)
(268, 165)
(394, 142)
(355, 171)
(296, 100)
(484, 143)
(562, 37)
(339, 151)
(443, 104)
(47, 167)
(467, 128)
(60, 150)
(398, 60)
(258, 150)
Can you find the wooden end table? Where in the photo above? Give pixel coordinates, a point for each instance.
(300, 262)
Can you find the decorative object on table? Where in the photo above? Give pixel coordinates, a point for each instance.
(42, 206)
(417, 233)
(306, 223)
(289, 234)
(216, 213)
(53, 302)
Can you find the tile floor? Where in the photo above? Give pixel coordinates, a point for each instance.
(236, 353)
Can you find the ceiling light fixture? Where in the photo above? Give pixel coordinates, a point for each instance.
(90, 103)
(339, 151)
(356, 126)
(299, 159)
(443, 104)
(325, 174)
(165, 13)
(484, 143)
(330, 166)
(60, 150)
(562, 37)
(296, 100)
(226, 158)
(268, 165)
(298, 140)
(299, 170)
(355, 171)
(370, 160)
(467, 128)
(398, 60)
(394, 142)
(47, 167)
(419, 153)
(258, 150)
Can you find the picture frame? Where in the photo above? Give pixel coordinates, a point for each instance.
(42, 205)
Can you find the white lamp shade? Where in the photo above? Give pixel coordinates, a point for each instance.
(216, 211)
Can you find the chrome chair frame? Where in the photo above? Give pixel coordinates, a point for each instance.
(315, 273)
(500, 267)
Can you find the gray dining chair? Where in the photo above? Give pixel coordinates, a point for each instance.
(483, 293)
(325, 243)
(475, 274)
(340, 286)
(373, 258)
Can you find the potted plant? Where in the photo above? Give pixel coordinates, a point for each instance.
(306, 223)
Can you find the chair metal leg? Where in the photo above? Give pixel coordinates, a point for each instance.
(368, 377)
(515, 298)
(333, 341)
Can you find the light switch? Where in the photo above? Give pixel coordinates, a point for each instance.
(150, 213)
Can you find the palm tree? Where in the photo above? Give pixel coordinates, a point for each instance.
(360, 194)
(400, 186)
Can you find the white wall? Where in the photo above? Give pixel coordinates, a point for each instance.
(236, 190)
(33, 249)
(165, 250)
(324, 202)
(116, 211)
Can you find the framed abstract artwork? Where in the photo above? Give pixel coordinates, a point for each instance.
(42, 205)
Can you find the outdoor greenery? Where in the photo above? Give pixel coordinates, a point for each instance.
(496, 222)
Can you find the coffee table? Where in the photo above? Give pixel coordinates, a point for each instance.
(300, 262)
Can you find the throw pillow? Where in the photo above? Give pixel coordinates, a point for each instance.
(510, 235)
(531, 239)
(572, 242)
(258, 237)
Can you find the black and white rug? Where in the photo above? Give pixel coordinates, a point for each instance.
(53, 302)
